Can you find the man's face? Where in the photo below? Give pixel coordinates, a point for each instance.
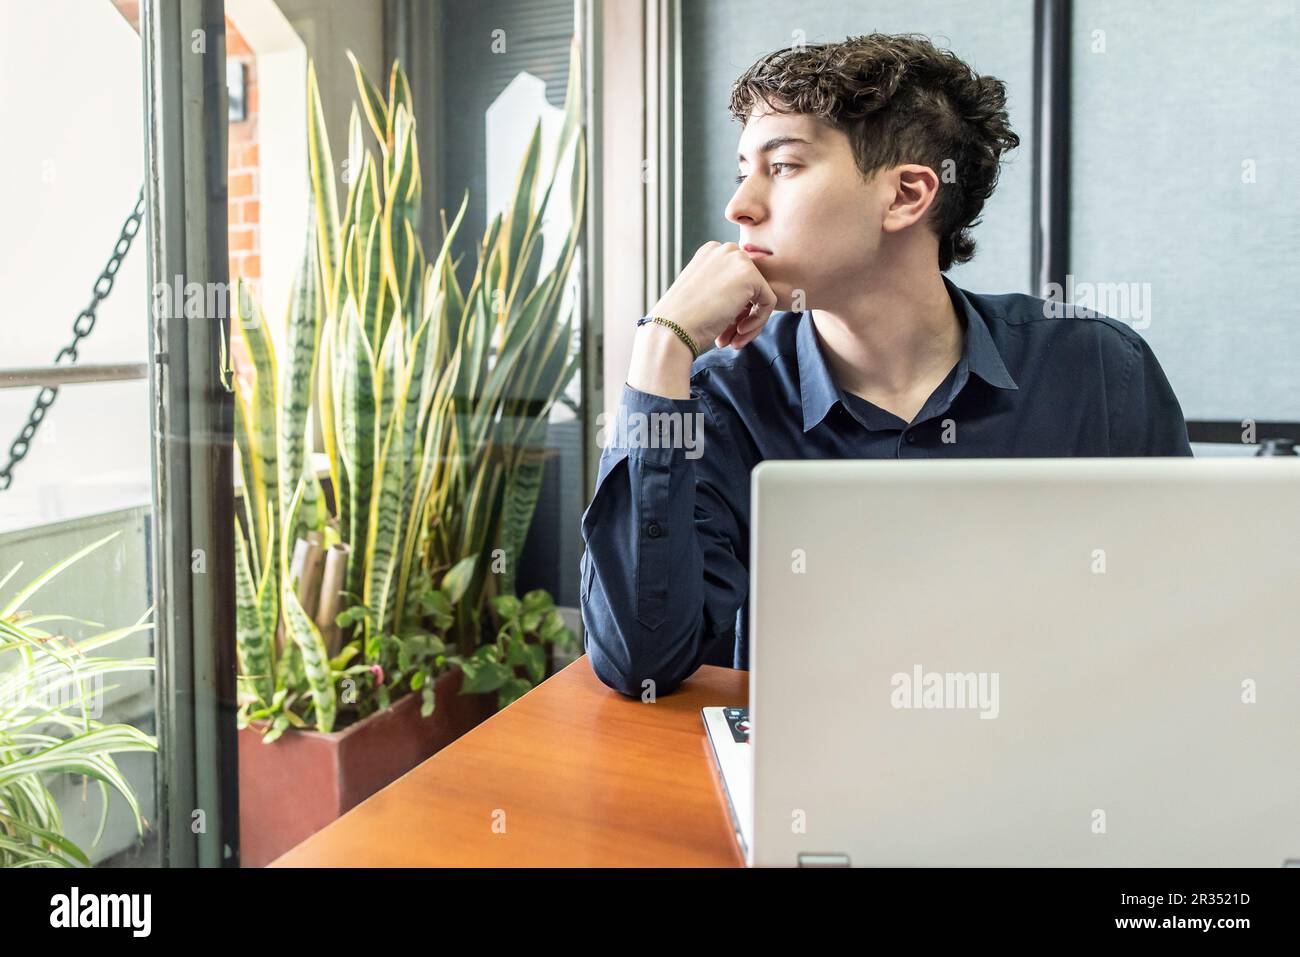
(804, 199)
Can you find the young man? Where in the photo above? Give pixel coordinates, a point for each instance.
(863, 165)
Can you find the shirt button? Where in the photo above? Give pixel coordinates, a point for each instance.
(653, 529)
(911, 438)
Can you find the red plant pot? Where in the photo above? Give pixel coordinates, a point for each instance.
(294, 786)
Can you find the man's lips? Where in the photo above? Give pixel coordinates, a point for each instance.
(756, 252)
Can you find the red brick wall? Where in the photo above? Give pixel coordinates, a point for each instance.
(242, 206)
(243, 184)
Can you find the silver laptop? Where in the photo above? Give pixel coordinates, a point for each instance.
(1020, 662)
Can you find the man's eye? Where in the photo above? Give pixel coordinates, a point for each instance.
(741, 177)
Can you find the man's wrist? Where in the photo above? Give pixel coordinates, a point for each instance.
(661, 362)
(665, 341)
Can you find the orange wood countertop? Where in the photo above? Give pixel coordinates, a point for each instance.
(572, 774)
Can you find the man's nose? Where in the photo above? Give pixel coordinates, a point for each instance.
(745, 206)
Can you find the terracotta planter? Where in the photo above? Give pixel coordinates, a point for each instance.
(294, 786)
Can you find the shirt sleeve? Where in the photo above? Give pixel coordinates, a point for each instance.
(663, 572)
(1148, 419)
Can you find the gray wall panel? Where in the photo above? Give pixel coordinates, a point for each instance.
(1184, 93)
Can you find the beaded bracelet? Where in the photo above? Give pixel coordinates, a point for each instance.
(681, 333)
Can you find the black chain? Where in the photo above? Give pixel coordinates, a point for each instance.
(81, 327)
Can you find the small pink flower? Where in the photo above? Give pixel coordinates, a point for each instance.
(378, 672)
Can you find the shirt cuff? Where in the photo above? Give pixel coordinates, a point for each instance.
(654, 428)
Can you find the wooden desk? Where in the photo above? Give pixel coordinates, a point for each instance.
(578, 774)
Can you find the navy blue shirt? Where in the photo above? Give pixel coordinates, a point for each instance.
(665, 575)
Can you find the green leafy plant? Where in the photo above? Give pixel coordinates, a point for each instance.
(433, 404)
(50, 685)
(516, 660)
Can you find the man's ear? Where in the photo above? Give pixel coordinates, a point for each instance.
(914, 190)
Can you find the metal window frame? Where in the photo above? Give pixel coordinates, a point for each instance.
(590, 23)
(634, 202)
(192, 416)
(663, 133)
(1050, 211)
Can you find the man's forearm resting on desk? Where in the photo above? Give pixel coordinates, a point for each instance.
(651, 614)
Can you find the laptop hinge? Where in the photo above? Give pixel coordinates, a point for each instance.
(823, 860)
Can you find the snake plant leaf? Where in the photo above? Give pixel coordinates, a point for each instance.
(357, 443)
(320, 164)
(521, 341)
(303, 347)
(399, 90)
(335, 342)
(356, 147)
(243, 452)
(261, 419)
(521, 212)
(449, 283)
(355, 161)
(375, 289)
(351, 279)
(383, 549)
(315, 658)
(268, 599)
(522, 492)
(253, 642)
(325, 400)
(577, 192)
(572, 101)
(368, 201)
(525, 279)
(433, 484)
(418, 399)
(391, 360)
(443, 274)
(372, 102)
(570, 128)
(403, 187)
(432, 358)
(287, 526)
(243, 468)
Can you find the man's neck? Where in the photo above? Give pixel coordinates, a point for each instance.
(892, 340)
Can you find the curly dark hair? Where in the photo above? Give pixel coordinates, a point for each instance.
(899, 99)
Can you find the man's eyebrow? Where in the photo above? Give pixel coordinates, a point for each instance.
(774, 143)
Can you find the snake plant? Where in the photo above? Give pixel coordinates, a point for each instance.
(50, 687)
(432, 404)
(511, 357)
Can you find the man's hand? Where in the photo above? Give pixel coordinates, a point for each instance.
(720, 295)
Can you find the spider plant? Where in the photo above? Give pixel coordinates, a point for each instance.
(50, 690)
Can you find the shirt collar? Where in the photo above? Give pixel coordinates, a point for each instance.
(979, 355)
